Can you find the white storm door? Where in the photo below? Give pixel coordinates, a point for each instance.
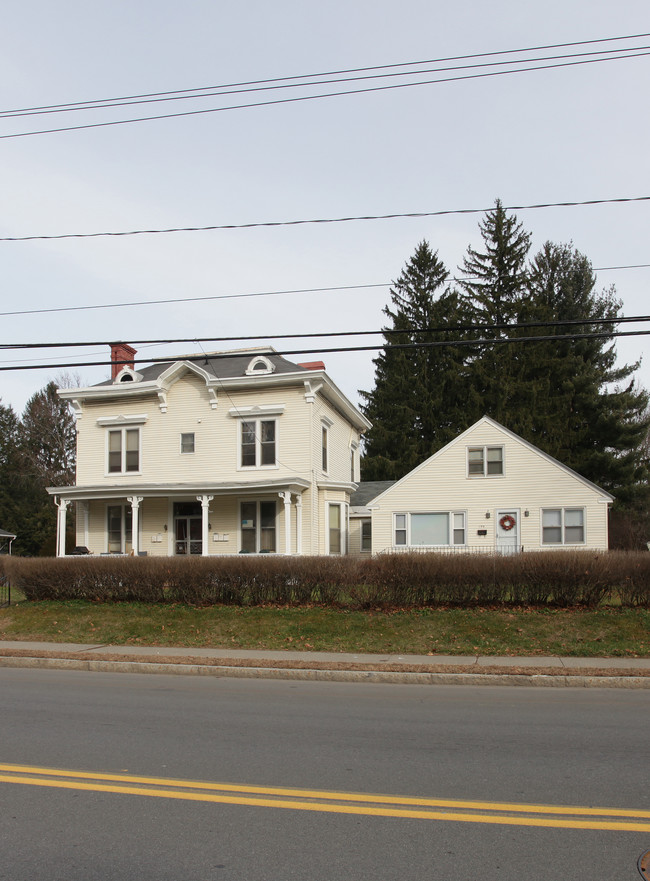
(507, 531)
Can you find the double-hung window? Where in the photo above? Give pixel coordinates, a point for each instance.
(123, 450)
(325, 426)
(434, 529)
(187, 442)
(258, 527)
(324, 451)
(258, 441)
(563, 526)
(366, 535)
(337, 538)
(485, 461)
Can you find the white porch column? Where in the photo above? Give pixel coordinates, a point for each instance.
(135, 526)
(205, 512)
(286, 498)
(299, 524)
(62, 505)
(83, 508)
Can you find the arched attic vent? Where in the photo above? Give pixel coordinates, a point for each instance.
(259, 366)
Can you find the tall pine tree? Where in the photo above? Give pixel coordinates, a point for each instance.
(9, 468)
(494, 288)
(587, 411)
(421, 399)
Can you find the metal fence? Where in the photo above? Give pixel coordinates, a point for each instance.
(460, 550)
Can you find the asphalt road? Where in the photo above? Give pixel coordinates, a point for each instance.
(490, 751)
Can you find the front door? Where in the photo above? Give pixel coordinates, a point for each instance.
(188, 528)
(507, 537)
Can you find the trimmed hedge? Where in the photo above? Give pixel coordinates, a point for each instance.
(389, 581)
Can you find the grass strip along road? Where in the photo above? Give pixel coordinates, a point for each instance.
(604, 632)
(462, 811)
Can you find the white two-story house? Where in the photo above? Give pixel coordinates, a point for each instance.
(232, 452)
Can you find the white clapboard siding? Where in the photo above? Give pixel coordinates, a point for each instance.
(531, 482)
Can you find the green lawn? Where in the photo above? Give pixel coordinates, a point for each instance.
(608, 632)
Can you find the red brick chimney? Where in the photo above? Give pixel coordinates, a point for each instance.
(313, 365)
(121, 356)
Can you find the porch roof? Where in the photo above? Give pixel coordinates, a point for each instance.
(180, 490)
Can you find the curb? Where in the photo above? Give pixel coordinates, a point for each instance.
(537, 680)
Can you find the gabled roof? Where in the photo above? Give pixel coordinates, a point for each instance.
(486, 420)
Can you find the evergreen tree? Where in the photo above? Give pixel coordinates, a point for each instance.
(587, 411)
(495, 288)
(9, 434)
(421, 399)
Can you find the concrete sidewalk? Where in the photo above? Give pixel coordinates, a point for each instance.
(333, 666)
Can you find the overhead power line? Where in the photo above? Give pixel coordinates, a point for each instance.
(337, 94)
(91, 104)
(319, 220)
(302, 83)
(442, 328)
(480, 342)
(171, 300)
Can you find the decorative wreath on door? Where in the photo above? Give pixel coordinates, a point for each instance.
(507, 522)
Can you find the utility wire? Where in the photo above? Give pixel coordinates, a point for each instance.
(444, 328)
(192, 299)
(253, 294)
(242, 89)
(319, 220)
(294, 100)
(129, 98)
(480, 342)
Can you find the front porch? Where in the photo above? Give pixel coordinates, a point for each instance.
(217, 519)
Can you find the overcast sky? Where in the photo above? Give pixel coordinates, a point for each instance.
(567, 134)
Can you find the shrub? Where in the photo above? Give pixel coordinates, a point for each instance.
(416, 580)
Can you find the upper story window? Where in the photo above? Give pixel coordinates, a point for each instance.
(187, 442)
(563, 526)
(326, 424)
(258, 443)
(123, 450)
(353, 462)
(324, 432)
(485, 462)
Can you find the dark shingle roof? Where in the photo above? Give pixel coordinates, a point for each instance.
(221, 365)
(369, 490)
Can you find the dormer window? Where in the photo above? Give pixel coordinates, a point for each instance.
(126, 374)
(259, 366)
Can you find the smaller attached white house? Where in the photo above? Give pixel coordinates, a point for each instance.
(488, 489)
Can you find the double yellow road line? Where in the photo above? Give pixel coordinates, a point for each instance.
(501, 813)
